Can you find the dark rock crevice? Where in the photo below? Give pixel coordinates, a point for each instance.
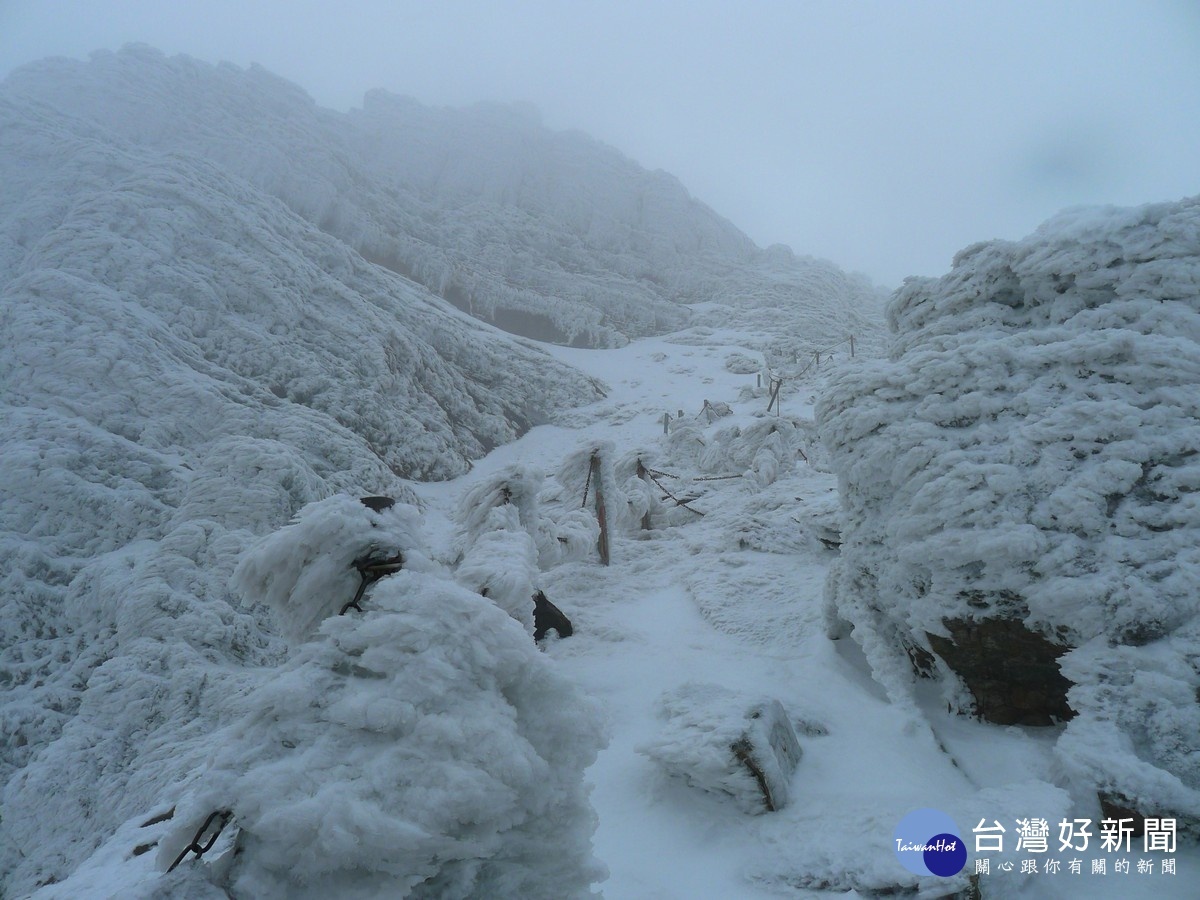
(1011, 672)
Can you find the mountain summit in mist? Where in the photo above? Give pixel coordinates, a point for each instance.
(551, 235)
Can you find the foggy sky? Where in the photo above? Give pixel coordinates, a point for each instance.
(884, 135)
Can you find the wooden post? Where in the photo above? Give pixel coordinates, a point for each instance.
(601, 517)
(666, 421)
(645, 476)
(681, 414)
(760, 379)
(818, 357)
(852, 346)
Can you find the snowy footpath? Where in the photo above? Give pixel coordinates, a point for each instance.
(734, 598)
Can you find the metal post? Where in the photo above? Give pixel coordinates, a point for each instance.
(776, 385)
(645, 476)
(601, 517)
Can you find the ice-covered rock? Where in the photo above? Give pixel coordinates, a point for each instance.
(727, 743)
(1020, 483)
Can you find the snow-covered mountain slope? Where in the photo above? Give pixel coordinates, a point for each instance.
(1019, 479)
(550, 235)
(185, 362)
(724, 604)
(197, 340)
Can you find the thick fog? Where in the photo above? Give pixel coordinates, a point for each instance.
(883, 136)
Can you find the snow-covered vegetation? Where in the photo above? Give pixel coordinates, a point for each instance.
(421, 748)
(1029, 452)
(185, 364)
(226, 315)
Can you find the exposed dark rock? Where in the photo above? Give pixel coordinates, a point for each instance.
(546, 616)
(1011, 672)
(921, 660)
(371, 566)
(377, 504)
(1117, 807)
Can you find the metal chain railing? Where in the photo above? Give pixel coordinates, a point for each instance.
(221, 817)
(370, 569)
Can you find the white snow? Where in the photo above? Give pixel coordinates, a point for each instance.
(733, 598)
(551, 235)
(425, 746)
(703, 722)
(196, 351)
(305, 572)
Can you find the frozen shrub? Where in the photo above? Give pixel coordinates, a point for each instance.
(424, 748)
(305, 571)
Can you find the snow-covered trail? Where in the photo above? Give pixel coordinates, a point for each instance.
(692, 603)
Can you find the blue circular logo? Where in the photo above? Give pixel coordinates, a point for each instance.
(927, 843)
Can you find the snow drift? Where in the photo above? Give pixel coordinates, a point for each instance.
(1019, 478)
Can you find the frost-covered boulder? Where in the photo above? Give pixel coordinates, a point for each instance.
(1019, 480)
(727, 743)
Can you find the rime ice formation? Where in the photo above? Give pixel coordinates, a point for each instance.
(1019, 481)
(221, 307)
(305, 572)
(422, 748)
(551, 235)
(185, 363)
(727, 744)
